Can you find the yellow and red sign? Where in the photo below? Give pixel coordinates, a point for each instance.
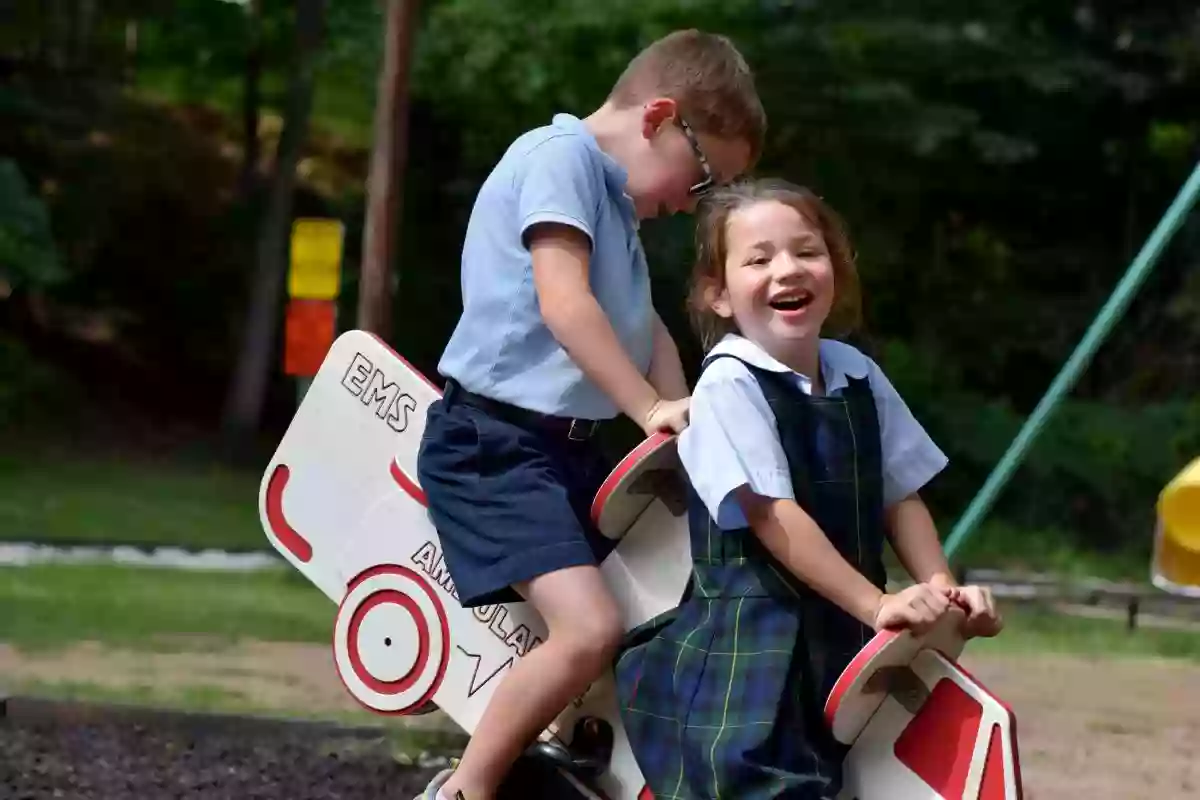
(308, 332)
(314, 281)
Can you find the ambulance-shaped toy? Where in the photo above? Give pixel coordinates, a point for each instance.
(340, 501)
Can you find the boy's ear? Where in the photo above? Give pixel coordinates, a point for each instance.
(656, 112)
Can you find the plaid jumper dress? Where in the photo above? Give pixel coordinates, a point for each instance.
(723, 697)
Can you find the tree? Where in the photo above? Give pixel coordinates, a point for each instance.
(251, 97)
(386, 181)
(248, 388)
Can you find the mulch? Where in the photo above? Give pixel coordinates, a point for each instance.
(54, 749)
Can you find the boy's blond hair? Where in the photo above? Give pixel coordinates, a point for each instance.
(706, 75)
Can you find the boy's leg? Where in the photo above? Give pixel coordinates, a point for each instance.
(584, 632)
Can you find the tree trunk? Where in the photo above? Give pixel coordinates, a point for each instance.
(251, 100)
(79, 33)
(247, 391)
(385, 186)
(59, 26)
(129, 64)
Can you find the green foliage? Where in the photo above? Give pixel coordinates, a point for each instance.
(1089, 481)
(999, 164)
(28, 256)
(30, 390)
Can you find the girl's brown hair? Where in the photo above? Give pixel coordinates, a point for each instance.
(708, 272)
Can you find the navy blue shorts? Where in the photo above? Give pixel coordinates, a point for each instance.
(510, 502)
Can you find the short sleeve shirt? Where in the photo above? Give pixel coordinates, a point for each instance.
(732, 440)
(501, 346)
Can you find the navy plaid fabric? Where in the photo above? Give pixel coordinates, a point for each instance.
(723, 697)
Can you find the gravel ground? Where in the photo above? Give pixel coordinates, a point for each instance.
(124, 761)
(86, 756)
(1104, 729)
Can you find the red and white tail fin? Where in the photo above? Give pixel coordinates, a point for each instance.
(921, 727)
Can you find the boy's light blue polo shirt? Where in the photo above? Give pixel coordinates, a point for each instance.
(732, 439)
(501, 347)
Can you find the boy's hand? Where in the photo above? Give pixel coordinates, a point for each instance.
(982, 617)
(917, 608)
(667, 416)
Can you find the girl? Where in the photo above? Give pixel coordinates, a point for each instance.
(802, 458)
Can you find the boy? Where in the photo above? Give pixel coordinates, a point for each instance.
(558, 333)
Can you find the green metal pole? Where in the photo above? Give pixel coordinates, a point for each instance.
(1101, 326)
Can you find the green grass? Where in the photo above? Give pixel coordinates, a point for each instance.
(999, 545)
(54, 499)
(1029, 630)
(56, 605)
(49, 606)
(197, 697)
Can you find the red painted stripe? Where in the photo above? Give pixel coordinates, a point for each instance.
(992, 785)
(406, 362)
(852, 671)
(622, 469)
(938, 743)
(982, 688)
(296, 544)
(407, 484)
(442, 621)
(1015, 754)
(414, 611)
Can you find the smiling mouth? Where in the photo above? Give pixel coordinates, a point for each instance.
(794, 302)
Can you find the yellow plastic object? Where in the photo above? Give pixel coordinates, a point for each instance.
(316, 259)
(1179, 507)
(1176, 566)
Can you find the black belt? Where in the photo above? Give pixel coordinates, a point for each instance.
(576, 430)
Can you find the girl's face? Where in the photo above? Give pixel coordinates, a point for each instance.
(779, 281)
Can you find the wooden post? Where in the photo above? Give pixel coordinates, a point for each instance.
(386, 182)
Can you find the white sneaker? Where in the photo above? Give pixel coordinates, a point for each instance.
(433, 790)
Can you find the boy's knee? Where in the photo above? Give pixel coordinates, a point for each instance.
(592, 642)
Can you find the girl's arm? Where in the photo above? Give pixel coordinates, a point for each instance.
(736, 464)
(914, 538)
(910, 461)
(796, 541)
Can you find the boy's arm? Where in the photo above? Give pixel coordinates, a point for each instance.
(914, 538)
(666, 368)
(560, 276)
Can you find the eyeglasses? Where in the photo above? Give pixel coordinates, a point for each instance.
(709, 180)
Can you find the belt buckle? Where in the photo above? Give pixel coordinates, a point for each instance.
(575, 432)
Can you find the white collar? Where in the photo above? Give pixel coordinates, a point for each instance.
(839, 361)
